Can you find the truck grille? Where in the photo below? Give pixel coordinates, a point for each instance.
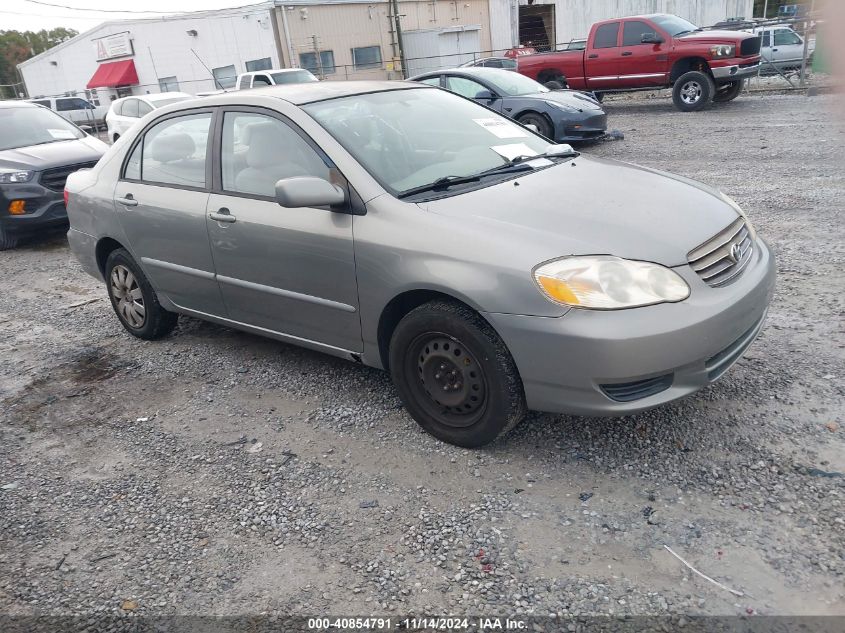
(722, 258)
(749, 46)
(56, 177)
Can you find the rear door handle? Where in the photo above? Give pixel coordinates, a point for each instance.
(223, 215)
(626, 53)
(128, 201)
(593, 56)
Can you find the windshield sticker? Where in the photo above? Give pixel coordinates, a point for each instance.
(500, 128)
(61, 134)
(513, 150)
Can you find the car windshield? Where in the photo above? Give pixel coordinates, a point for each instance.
(293, 77)
(165, 102)
(402, 138)
(513, 84)
(24, 126)
(674, 25)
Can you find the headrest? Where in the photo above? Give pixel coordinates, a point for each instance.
(267, 144)
(170, 147)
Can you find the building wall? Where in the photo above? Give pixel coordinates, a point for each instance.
(573, 18)
(162, 48)
(342, 27)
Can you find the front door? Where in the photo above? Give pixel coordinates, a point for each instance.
(290, 271)
(470, 88)
(161, 201)
(641, 65)
(601, 58)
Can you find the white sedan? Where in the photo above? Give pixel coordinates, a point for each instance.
(124, 112)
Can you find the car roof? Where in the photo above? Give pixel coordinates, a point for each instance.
(275, 70)
(300, 94)
(14, 103)
(159, 96)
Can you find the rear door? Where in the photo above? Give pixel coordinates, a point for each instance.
(161, 201)
(642, 65)
(601, 58)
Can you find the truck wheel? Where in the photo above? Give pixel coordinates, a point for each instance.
(693, 91)
(542, 123)
(454, 374)
(728, 92)
(7, 241)
(554, 85)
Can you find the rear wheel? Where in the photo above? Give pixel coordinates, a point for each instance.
(693, 91)
(542, 124)
(455, 375)
(134, 301)
(7, 241)
(728, 92)
(554, 85)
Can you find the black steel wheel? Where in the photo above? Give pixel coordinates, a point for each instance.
(455, 375)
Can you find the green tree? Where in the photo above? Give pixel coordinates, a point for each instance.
(18, 46)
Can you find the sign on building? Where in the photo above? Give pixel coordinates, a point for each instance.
(117, 45)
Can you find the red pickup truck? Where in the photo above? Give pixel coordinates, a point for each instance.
(649, 52)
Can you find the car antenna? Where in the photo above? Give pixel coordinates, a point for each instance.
(213, 78)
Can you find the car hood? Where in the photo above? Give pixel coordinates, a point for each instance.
(39, 157)
(715, 36)
(591, 206)
(572, 98)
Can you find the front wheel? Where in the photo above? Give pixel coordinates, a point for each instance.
(454, 374)
(7, 241)
(693, 91)
(728, 92)
(134, 301)
(544, 127)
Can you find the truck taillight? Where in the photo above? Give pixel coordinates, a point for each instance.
(66, 195)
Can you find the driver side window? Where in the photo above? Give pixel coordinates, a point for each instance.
(465, 87)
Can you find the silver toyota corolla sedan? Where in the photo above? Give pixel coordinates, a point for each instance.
(410, 229)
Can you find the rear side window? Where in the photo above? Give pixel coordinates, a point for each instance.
(632, 33)
(244, 83)
(606, 35)
(261, 80)
(44, 103)
(66, 105)
(172, 152)
(144, 108)
(431, 81)
(130, 108)
(767, 39)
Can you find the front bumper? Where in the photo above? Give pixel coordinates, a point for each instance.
(572, 363)
(587, 126)
(45, 208)
(733, 69)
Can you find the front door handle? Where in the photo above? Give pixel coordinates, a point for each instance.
(593, 56)
(626, 53)
(222, 215)
(128, 200)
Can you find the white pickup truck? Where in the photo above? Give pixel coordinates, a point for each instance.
(260, 78)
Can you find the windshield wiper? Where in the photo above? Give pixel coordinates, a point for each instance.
(441, 183)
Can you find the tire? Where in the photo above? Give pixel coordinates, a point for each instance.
(143, 316)
(7, 241)
(440, 342)
(542, 123)
(553, 85)
(693, 91)
(114, 139)
(599, 96)
(728, 92)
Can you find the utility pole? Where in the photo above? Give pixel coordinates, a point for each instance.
(802, 76)
(398, 27)
(765, 9)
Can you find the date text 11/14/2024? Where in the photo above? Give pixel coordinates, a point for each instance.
(417, 624)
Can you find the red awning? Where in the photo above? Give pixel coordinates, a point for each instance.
(114, 74)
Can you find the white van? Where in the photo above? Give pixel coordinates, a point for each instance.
(74, 109)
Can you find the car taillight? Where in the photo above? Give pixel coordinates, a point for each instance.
(66, 196)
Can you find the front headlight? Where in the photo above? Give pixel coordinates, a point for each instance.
(562, 106)
(723, 50)
(751, 230)
(16, 176)
(604, 282)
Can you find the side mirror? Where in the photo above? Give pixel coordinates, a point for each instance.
(485, 95)
(308, 191)
(651, 38)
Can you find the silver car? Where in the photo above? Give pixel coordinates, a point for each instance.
(410, 229)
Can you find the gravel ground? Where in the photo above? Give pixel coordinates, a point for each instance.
(219, 473)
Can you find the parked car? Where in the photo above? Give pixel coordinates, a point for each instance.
(562, 115)
(38, 149)
(125, 112)
(262, 78)
(782, 48)
(488, 270)
(654, 51)
(74, 109)
(508, 63)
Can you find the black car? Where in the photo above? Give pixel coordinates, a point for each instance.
(508, 63)
(560, 115)
(38, 149)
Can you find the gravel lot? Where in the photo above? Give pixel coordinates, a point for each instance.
(220, 473)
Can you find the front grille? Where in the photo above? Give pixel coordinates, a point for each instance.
(629, 391)
(723, 257)
(56, 177)
(749, 46)
(721, 362)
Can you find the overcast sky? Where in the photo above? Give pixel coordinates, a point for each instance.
(21, 15)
